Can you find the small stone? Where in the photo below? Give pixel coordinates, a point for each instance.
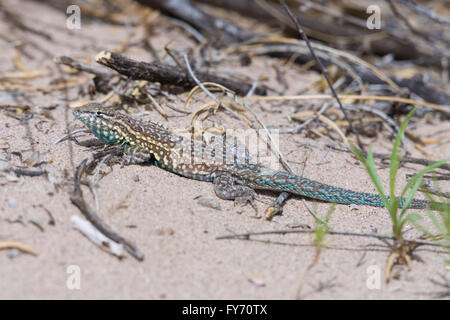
(34, 219)
(257, 278)
(11, 177)
(4, 165)
(7, 98)
(395, 288)
(34, 159)
(13, 203)
(165, 231)
(409, 278)
(13, 253)
(209, 202)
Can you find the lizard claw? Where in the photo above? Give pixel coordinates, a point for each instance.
(248, 198)
(272, 211)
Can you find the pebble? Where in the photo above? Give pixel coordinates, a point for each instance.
(13, 203)
(13, 253)
(209, 202)
(257, 278)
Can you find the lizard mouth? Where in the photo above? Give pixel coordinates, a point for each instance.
(82, 117)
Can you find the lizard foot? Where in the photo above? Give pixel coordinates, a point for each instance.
(243, 200)
(228, 187)
(135, 158)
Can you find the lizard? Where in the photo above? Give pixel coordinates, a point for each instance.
(151, 142)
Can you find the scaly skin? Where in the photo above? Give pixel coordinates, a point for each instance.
(237, 179)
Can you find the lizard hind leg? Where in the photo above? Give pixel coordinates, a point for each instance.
(227, 187)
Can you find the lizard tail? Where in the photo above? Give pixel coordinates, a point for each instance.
(283, 181)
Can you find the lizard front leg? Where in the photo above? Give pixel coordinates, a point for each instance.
(227, 187)
(134, 156)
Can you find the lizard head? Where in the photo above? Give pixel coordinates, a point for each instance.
(100, 120)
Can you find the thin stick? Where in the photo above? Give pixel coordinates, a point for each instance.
(186, 26)
(23, 172)
(86, 67)
(246, 236)
(98, 238)
(300, 127)
(413, 30)
(323, 70)
(17, 245)
(384, 156)
(289, 45)
(444, 109)
(191, 73)
(425, 11)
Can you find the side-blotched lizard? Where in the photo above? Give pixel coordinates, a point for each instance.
(151, 142)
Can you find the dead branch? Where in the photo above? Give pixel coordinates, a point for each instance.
(167, 74)
(215, 28)
(78, 200)
(86, 67)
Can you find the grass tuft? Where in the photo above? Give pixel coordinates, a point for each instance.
(398, 206)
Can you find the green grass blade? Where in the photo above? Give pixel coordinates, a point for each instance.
(411, 194)
(394, 164)
(421, 173)
(439, 226)
(370, 168)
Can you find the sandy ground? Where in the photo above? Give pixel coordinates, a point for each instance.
(161, 213)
